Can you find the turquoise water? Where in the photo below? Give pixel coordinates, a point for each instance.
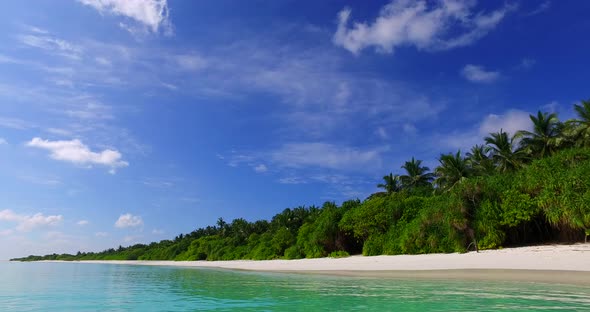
(107, 287)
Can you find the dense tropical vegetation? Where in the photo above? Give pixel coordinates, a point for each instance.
(532, 187)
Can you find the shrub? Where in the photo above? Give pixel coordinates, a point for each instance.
(293, 252)
(339, 254)
(373, 245)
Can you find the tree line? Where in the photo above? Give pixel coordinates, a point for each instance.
(527, 188)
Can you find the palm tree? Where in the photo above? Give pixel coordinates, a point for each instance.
(545, 137)
(579, 128)
(503, 152)
(222, 226)
(452, 170)
(417, 175)
(479, 161)
(391, 183)
(290, 219)
(240, 229)
(282, 219)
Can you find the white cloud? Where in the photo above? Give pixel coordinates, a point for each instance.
(510, 122)
(14, 123)
(27, 223)
(478, 74)
(3, 141)
(37, 30)
(6, 232)
(101, 234)
(540, 9)
(343, 94)
(292, 180)
(435, 25)
(56, 236)
(157, 232)
(190, 199)
(382, 133)
(261, 168)
(324, 155)
(190, 62)
(527, 63)
(338, 186)
(132, 238)
(321, 99)
(76, 152)
(151, 13)
(169, 86)
(157, 183)
(237, 159)
(334, 179)
(9, 60)
(91, 111)
(299, 163)
(62, 82)
(52, 44)
(82, 222)
(48, 181)
(102, 61)
(462, 140)
(409, 128)
(59, 131)
(320, 96)
(551, 107)
(128, 220)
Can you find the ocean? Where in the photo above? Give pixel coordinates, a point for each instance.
(110, 287)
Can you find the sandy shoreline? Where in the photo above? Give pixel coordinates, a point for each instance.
(552, 263)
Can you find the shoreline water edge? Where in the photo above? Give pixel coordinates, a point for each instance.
(563, 264)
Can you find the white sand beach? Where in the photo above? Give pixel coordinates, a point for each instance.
(549, 263)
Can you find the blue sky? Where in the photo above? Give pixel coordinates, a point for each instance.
(134, 121)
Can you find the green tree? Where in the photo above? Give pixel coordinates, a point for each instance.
(416, 174)
(372, 217)
(545, 137)
(579, 128)
(221, 226)
(505, 155)
(452, 170)
(392, 183)
(321, 236)
(292, 219)
(239, 230)
(479, 161)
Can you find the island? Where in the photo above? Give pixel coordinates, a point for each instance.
(527, 189)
